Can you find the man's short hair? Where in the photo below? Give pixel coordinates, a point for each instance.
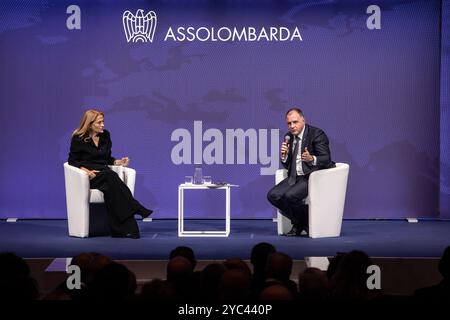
(300, 112)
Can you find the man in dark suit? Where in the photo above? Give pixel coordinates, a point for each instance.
(304, 150)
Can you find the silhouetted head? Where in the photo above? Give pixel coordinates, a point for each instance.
(334, 263)
(210, 280)
(212, 274)
(185, 252)
(279, 266)
(276, 292)
(13, 265)
(16, 283)
(158, 289)
(444, 263)
(83, 261)
(350, 279)
(90, 263)
(259, 255)
(313, 283)
(234, 285)
(114, 282)
(237, 263)
(178, 269)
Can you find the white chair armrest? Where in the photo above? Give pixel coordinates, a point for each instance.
(330, 184)
(77, 200)
(280, 175)
(128, 176)
(326, 191)
(77, 183)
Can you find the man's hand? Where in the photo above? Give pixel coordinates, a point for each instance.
(125, 161)
(306, 156)
(284, 150)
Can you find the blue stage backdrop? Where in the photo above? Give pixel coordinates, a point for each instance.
(444, 206)
(210, 84)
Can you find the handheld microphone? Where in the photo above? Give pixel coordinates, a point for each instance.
(287, 138)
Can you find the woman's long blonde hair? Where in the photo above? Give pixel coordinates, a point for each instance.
(88, 119)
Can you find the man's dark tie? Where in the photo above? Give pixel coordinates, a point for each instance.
(293, 172)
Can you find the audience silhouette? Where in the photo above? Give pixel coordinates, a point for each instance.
(440, 291)
(269, 279)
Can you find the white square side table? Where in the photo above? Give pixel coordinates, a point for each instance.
(186, 186)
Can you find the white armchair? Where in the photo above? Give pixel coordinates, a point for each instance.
(80, 199)
(326, 199)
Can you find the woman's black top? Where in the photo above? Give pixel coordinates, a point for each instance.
(84, 152)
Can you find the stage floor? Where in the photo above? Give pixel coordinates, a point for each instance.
(378, 238)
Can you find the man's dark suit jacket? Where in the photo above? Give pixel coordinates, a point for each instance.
(317, 143)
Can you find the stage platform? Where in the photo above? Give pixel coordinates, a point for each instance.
(378, 238)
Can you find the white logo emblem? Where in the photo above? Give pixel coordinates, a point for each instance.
(139, 27)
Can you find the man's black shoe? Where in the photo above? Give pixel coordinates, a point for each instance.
(304, 233)
(295, 232)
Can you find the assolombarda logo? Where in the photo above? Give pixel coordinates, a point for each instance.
(139, 27)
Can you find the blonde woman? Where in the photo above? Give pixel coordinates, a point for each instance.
(90, 150)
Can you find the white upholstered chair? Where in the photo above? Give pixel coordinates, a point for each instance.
(326, 199)
(82, 201)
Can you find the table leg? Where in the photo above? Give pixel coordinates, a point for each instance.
(180, 212)
(228, 205)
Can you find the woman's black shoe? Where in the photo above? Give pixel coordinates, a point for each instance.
(145, 213)
(131, 235)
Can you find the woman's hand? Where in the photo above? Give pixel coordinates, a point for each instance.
(91, 173)
(125, 161)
